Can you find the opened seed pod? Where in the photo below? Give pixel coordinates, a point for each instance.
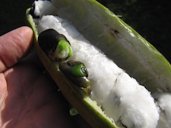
(104, 68)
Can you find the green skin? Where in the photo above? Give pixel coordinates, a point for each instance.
(63, 51)
(78, 69)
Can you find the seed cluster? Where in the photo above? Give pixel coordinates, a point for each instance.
(76, 71)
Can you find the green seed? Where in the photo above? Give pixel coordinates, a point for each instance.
(77, 69)
(55, 45)
(76, 72)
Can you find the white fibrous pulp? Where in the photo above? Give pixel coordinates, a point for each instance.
(165, 113)
(120, 96)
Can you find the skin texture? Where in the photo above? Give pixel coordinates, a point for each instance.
(28, 97)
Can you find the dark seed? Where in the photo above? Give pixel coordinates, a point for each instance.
(48, 40)
(66, 68)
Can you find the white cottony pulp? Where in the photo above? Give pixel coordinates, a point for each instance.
(165, 113)
(120, 96)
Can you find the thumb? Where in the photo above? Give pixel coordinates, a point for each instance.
(13, 46)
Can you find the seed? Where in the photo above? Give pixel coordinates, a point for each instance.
(76, 71)
(55, 45)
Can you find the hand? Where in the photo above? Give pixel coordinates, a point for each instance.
(28, 99)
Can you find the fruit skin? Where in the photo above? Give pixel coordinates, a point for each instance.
(119, 42)
(76, 97)
(143, 16)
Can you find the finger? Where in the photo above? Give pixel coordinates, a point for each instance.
(13, 46)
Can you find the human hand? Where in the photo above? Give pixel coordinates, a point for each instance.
(28, 99)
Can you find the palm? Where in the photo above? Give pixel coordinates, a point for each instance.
(28, 99)
(31, 101)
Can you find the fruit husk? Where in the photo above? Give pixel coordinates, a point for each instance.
(114, 37)
(119, 42)
(86, 107)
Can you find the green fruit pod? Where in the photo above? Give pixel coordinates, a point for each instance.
(117, 40)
